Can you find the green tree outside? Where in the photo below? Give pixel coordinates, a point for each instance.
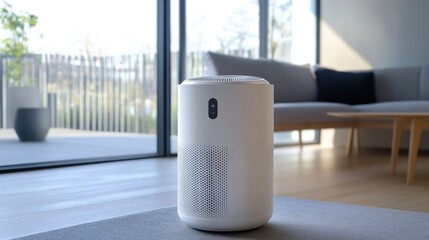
(14, 45)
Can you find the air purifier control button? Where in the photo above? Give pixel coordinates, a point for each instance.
(212, 108)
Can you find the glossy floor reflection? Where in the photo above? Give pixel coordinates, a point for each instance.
(67, 145)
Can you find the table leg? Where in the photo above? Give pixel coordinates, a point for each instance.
(398, 127)
(417, 126)
(357, 139)
(350, 141)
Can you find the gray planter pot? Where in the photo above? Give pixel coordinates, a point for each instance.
(20, 97)
(32, 124)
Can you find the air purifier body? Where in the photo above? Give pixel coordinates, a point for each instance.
(225, 152)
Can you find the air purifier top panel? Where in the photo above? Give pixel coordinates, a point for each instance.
(226, 79)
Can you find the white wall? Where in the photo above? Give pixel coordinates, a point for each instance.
(363, 34)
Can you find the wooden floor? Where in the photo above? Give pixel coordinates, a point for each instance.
(37, 201)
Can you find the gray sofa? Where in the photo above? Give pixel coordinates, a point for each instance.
(296, 104)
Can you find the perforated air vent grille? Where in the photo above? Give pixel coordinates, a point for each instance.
(205, 180)
(229, 78)
(226, 79)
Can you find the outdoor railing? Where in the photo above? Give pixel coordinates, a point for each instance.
(94, 93)
(107, 93)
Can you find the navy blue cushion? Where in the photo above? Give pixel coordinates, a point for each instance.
(345, 87)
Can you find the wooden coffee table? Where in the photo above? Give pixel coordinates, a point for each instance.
(418, 121)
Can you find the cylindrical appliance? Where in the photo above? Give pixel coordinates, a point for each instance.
(225, 152)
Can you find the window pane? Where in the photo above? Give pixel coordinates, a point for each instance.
(292, 31)
(212, 26)
(94, 64)
(292, 38)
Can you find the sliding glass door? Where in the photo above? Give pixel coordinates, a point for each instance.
(209, 26)
(283, 30)
(94, 64)
(292, 38)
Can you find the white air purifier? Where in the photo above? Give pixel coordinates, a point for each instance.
(225, 152)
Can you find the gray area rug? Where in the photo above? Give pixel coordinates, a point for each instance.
(292, 219)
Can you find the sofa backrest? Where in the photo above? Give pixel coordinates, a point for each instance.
(292, 83)
(397, 84)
